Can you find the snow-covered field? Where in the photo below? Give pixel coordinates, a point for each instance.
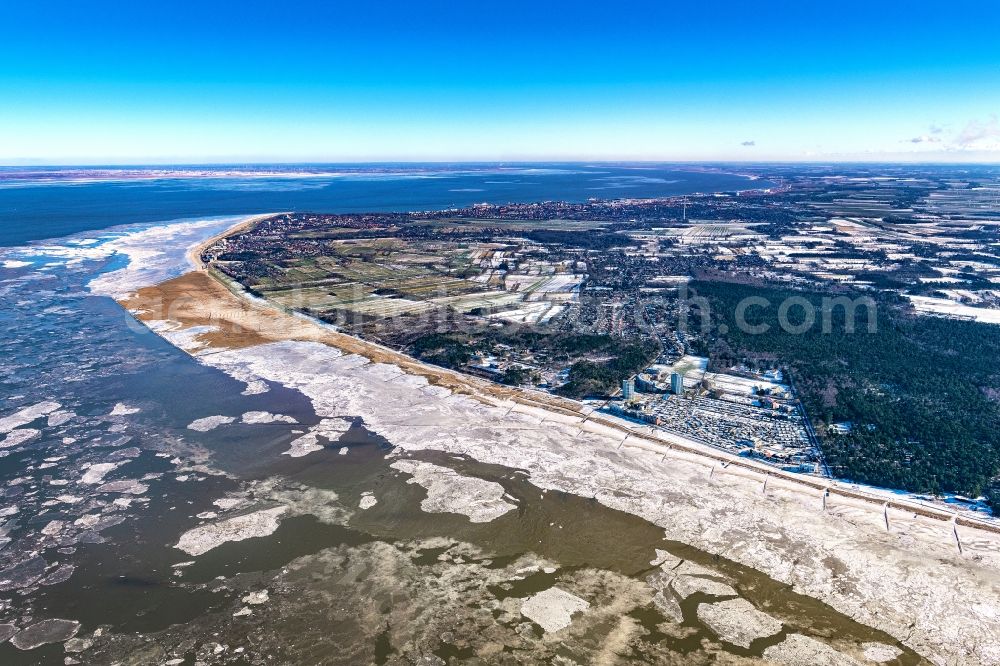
(944, 306)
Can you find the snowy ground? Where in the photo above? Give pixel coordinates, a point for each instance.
(950, 308)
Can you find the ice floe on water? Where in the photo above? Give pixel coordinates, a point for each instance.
(96, 473)
(553, 609)
(66, 359)
(124, 486)
(367, 501)
(664, 560)
(122, 409)
(880, 652)
(330, 429)
(210, 423)
(664, 599)
(185, 338)
(201, 539)
(45, 632)
(450, 492)
(686, 585)
(227, 503)
(256, 598)
(53, 528)
(254, 384)
(736, 621)
(60, 417)
(26, 415)
(798, 650)
(14, 263)
(303, 446)
(322, 504)
(18, 437)
(258, 417)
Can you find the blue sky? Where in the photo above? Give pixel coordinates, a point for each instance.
(482, 80)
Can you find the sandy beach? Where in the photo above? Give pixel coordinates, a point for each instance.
(899, 567)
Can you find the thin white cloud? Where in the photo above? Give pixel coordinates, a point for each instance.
(976, 137)
(979, 135)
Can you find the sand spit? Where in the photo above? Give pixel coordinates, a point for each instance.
(204, 538)
(450, 492)
(194, 253)
(910, 581)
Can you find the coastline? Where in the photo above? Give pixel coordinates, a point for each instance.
(193, 254)
(884, 578)
(538, 399)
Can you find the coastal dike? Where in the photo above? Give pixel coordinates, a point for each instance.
(929, 578)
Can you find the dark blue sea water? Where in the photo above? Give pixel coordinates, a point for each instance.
(53, 202)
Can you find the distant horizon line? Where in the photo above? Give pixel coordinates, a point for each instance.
(493, 162)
